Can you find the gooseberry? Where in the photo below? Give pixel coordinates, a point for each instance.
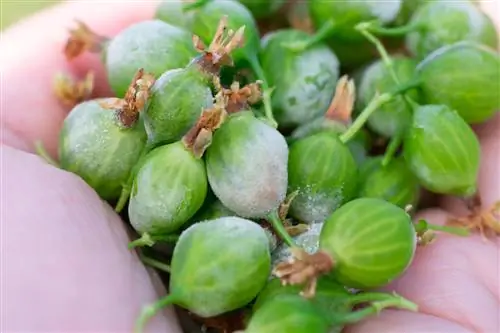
(464, 76)
(442, 151)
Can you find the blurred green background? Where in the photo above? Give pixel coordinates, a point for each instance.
(13, 10)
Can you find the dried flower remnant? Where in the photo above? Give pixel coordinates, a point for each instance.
(128, 108)
(343, 101)
(82, 39)
(486, 222)
(199, 137)
(218, 52)
(71, 91)
(238, 99)
(304, 268)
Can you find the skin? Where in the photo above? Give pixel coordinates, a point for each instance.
(65, 264)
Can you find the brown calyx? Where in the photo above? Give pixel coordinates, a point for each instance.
(128, 108)
(486, 222)
(238, 99)
(71, 91)
(342, 104)
(218, 52)
(199, 137)
(304, 269)
(82, 39)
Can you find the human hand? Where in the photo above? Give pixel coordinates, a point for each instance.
(66, 266)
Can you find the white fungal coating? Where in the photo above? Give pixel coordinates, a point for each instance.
(314, 207)
(308, 240)
(249, 171)
(386, 11)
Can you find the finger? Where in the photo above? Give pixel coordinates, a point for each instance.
(391, 321)
(489, 173)
(32, 54)
(455, 278)
(65, 262)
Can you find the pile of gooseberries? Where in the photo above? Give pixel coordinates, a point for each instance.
(269, 155)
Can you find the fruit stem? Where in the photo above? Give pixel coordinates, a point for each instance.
(322, 33)
(155, 264)
(279, 228)
(127, 187)
(149, 311)
(384, 55)
(42, 152)
(266, 91)
(376, 28)
(394, 144)
(379, 301)
(422, 226)
(149, 240)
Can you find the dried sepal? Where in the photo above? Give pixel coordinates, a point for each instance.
(342, 103)
(219, 51)
(82, 39)
(71, 91)
(285, 205)
(238, 99)
(304, 269)
(199, 137)
(485, 222)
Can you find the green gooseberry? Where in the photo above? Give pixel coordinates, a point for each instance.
(362, 259)
(153, 45)
(217, 266)
(393, 117)
(329, 296)
(174, 13)
(263, 8)
(442, 151)
(304, 82)
(95, 145)
(464, 76)
(206, 17)
(287, 314)
(176, 102)
(323, 171)
(338, 18)
(247, 165)
(169, 188)
(394, 182)
(213, 210)
(441, 23)
(408, 7)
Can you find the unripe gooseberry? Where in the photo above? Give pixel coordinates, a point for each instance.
(168, 189)
(323, 171)
(364, 259)
(94, 145)
(393, 117)
(304, 81)
(408, 7)
(219, 265)
(442, 151)
(153, 45)
(344, 15)
(441, 23)
(394, 182)
(464, 76)
(247, 165)
(174, 13)
(287, 314)
(263, 8)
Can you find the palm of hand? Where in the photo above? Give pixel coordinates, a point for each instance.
(66, 264)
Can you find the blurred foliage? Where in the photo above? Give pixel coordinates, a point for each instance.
(14, 10)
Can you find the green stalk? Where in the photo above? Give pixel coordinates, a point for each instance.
(379, 301)
(394, 31)
(394, 144)
(422, 226)
(324, 32)
(42, 152)
(266, 91)
(151, 310)
(127, 187)
(149, 240)
(156, 264)
(376, 102)
(280, 228)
